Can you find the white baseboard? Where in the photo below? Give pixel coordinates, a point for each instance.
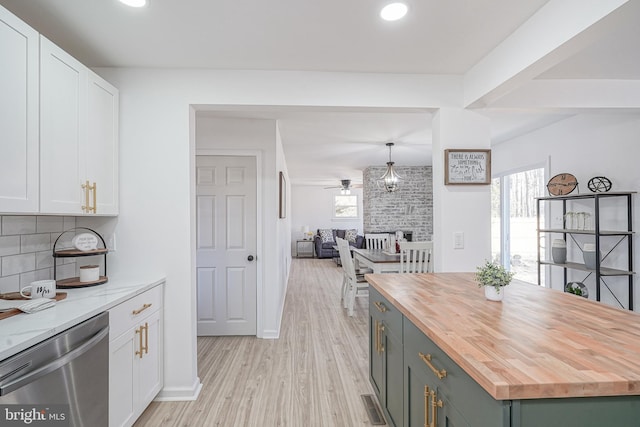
(169, 394)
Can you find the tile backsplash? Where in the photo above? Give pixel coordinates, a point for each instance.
(26, 244)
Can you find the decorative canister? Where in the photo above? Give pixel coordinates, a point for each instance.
(589, 255)
(89, 273)
(559, 251)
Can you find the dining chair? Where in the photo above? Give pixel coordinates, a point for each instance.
(377, 240)
(352, 284)
(416, 257)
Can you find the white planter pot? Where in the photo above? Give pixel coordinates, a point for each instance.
(491, 294)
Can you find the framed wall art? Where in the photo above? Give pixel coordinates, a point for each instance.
(283, 196)
(467, 167)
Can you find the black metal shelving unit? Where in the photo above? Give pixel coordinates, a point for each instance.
(74, 253)
(625, 236)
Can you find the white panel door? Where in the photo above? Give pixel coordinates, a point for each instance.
(63, 100)
(226, 245)
(18, 115)
(102, 143)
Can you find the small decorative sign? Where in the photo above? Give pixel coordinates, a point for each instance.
(85, 242)
(467, 167)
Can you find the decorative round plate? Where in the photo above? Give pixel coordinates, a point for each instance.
(599, 184)
(562, 184)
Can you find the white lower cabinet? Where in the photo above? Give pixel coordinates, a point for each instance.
(135, 356)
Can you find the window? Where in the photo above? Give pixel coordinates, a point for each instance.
(345, 207)
(513, 221)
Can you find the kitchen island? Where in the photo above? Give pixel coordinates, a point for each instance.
(538, 358)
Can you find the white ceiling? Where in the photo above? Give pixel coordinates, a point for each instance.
(324, 146)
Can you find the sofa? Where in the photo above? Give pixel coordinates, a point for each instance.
(325, 240)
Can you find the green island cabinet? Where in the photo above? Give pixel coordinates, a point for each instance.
(419, 385)
(385, 356)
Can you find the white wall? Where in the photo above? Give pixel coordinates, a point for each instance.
(313, 206)
(585, 145)
(155, 229)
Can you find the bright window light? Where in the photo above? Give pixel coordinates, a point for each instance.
(135, 3)
(393, 11)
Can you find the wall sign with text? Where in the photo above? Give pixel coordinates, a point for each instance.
(467, 167)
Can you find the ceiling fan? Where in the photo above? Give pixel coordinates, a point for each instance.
(345, 186)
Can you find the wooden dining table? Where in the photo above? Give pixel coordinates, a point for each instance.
(378, 260)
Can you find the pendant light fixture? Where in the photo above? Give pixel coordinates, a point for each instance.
(389, 181)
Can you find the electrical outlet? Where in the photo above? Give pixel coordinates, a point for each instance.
(458, 240)
(111, 244)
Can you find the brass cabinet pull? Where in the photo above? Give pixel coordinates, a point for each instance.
(381, 338)
(146, 338)
(426, 358)
(95, 197)
(139, 331)
(380, 306)
(144, 345)
(140, 310)
(426, 406)
(435, 404)
(86, 208)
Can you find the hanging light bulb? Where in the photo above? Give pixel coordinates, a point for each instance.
(390, 178)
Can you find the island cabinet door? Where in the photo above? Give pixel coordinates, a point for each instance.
(393, 381)
(465, 399)
(426, 404)
(386, 356)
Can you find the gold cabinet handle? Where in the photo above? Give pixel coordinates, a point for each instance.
(426, 358)
(139, 331)
(435, 404)
(426, 406)
(381, 337)
(377, 337)
(146, 338)
(86, 208)
(95, 197)
(380, 306)
(140, 310)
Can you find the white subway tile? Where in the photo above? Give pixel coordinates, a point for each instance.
(69, 222)
(49, 224)
(12, 225)
(9, 245)
(66, 271)
(35, 242)
(44, 259)
(10, 284)
(15, 264)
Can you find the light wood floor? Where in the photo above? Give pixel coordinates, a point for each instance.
(313, 375)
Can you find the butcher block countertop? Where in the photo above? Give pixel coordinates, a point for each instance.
(536, 343)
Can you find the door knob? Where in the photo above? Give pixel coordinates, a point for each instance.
(250, 257)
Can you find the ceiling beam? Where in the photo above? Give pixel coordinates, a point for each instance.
(573, 94)
(558, 30)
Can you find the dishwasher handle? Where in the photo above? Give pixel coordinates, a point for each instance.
(9, 386)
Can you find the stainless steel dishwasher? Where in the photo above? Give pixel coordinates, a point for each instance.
(67, 372)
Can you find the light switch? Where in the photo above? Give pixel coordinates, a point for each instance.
(458, 240)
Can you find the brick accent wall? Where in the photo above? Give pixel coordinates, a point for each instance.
(409, 208)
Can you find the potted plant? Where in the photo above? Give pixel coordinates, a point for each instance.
(493, 277)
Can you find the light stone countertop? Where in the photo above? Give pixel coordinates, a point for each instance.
(24, 330)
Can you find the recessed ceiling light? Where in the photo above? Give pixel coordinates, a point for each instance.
(393, 11)
(135, 3)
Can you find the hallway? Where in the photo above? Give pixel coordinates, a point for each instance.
(313, 375)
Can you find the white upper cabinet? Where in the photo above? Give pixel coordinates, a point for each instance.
(102, 144)
(63, 132)
(18, 115)
(78, 137)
